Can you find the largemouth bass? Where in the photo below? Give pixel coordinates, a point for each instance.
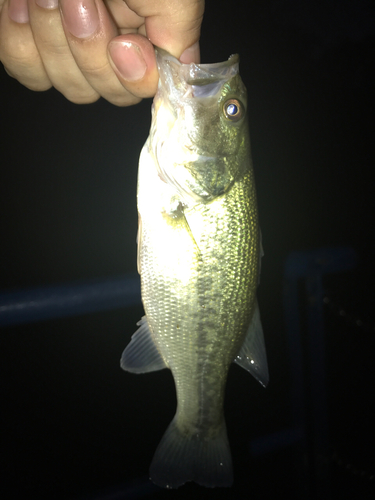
(199, 255)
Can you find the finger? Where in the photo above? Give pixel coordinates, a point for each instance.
(58, 61)
(132, 58)
(89, 29)
(172, 25)
(18, 51)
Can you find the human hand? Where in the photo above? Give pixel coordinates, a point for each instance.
(92, 48)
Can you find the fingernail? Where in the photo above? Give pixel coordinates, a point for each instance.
(18, 11)
(128, 59)
(48, 4)
(80, 17)
(191, 55)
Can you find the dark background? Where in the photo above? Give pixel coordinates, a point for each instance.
(74, 424)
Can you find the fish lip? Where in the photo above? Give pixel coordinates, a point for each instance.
(233, 59)
(198, 74)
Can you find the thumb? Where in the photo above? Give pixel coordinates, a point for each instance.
(173, 25)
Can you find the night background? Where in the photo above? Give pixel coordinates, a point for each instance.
(73, 424)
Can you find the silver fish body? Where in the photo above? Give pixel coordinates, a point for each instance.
(198, 256)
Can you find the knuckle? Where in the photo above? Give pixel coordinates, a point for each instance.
(81, 98)
(23, 63)
(90, 60)
(35, 80)
(100, 72)
(38, 86)
(14, 52)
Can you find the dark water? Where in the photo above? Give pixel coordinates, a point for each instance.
(73, 424)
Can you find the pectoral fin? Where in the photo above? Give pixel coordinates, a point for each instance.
(252, 356)
(141, 355)
(189, 230)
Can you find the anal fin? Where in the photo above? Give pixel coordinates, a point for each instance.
(252, 355)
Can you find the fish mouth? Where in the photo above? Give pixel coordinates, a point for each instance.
(199, 80)
(195, 71)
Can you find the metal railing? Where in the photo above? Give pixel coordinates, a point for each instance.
(303, 287)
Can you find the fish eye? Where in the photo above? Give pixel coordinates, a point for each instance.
(233, 110)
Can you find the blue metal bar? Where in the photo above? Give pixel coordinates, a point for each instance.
(316, 382)
(310, 266)
(36, 304)
(133, 490)
(293, 321)
(276, 441)
(43, 303)
(308, 394)
(321, 261)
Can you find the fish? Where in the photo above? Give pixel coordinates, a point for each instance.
(199, 252)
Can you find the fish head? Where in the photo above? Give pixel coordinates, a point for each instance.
(199, 135)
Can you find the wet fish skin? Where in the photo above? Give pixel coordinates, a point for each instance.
(198, 257)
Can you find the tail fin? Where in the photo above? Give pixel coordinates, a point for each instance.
(203, 459)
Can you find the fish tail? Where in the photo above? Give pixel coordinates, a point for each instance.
(195, 457)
